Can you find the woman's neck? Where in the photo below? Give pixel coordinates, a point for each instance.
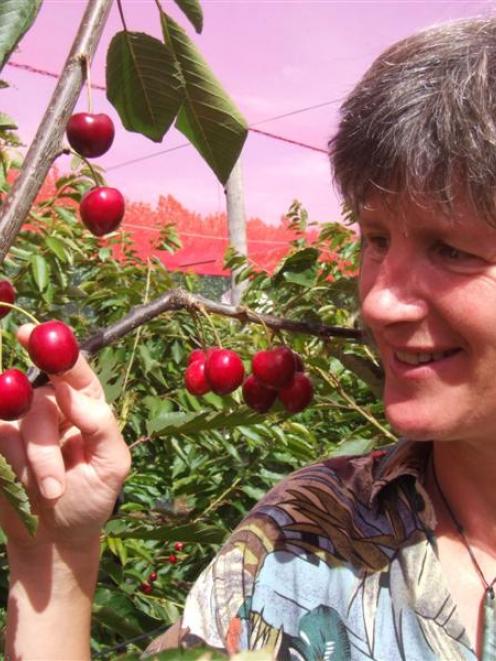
(467, 476)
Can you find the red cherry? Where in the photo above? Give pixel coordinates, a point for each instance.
(257, 396)
(102, 209)
(90, 134)
(197, 354)
(298, 395)
(195, 378)
(8, 295)
(152, 577)
(172, 559)
(275, 367)
(53, 347)
(16, 394)
(225, 371)
(146, 588)
(178, 546)
(299, 366)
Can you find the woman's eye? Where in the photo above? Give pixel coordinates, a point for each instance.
(376, 244)
(453, 254)
(458, 259)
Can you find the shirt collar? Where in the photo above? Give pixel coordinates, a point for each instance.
(404, 457)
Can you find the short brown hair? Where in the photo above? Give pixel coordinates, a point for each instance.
(423, 120)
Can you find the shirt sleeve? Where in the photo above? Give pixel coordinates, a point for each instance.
(212, 609)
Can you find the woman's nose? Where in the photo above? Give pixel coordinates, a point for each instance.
(393, 292)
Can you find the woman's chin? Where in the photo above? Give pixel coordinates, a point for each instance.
(409, 424)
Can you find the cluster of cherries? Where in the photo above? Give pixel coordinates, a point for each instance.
(52, 347)
(147, 585)
(91, 135)
(276, 373)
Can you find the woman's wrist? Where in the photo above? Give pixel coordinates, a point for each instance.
(51, 593)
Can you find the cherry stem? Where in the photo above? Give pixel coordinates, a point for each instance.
(124, 409)
(89, 90)
(268, 334)
(94, 175)
(121, 14)
(212, 325)
(199, 329)
(22, 310)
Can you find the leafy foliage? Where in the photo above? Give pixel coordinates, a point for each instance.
(199, 465)
(193, 11)
(16, 17)
(150, 83)
(208, 117)
(143, 83)
(16, 495)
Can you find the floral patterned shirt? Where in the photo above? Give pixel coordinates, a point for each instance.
(336, 562)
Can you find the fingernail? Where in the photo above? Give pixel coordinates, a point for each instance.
(51, 488)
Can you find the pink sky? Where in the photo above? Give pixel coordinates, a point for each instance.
(274, 57)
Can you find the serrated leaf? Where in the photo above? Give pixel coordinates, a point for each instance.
(15, 493)
(198, 533)
(143, 83)
(16, 17)
(208, 116)
(191, 423)
(57, 247)
(299, 261)
(354, 446)
(7, 123)
(117, 612)
(39, 269)
(193, 11)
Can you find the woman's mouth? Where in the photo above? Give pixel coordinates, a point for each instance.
(415, 358)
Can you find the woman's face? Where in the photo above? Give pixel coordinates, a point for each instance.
(428, 293)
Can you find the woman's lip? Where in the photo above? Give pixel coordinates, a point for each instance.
(403, 368)
(418, 357)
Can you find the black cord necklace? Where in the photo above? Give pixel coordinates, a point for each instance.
(489, 623)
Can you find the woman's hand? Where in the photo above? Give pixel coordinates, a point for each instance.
(70, 455)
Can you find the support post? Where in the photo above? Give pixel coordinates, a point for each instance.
(236, 221)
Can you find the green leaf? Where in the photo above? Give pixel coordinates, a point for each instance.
(199, 533)
(16, 17)
(57, 247)
(298, 262)
(354, 446)
(6, 122)
(208, 117)
(305, 279)
(190, 423)
(143, 83)
(193, 11)
(117, 612)
(39, 269)
(15, 493)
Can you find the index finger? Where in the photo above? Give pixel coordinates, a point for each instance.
(80, 377)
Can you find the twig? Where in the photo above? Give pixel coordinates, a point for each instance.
(335, 383)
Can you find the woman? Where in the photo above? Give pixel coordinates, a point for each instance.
(386, 556)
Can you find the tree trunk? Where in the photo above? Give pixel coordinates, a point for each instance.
(47, 142)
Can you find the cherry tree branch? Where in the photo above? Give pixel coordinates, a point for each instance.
(47, 142)
(179, 299)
